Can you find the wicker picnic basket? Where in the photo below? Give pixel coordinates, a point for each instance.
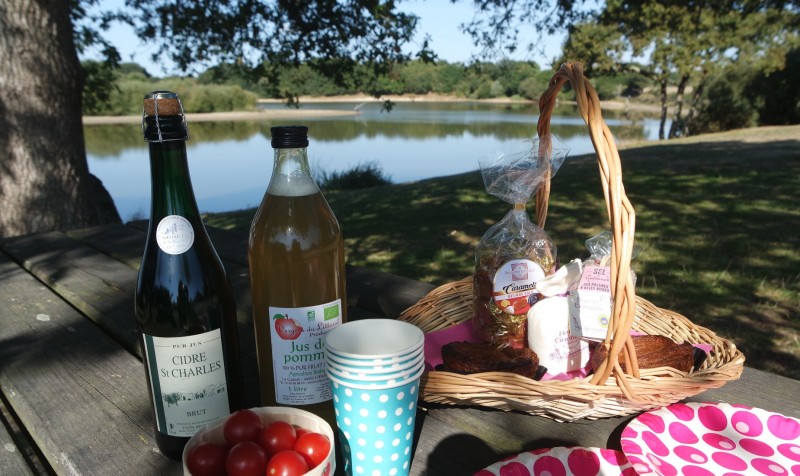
(609, 391)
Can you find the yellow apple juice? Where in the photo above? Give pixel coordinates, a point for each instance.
(297, 274)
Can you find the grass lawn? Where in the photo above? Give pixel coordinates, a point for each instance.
(718, 218)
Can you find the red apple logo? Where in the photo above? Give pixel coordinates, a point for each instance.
(286, 328)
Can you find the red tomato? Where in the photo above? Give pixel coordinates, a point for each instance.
(278, 436)
(287, 463)
(246, 459)
(242, 425)
(314, 447)
(207, 459)
(300, 431)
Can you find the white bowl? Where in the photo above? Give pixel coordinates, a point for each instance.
(213, 433)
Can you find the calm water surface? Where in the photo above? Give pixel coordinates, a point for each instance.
(231, 162)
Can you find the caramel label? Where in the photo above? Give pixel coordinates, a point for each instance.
(515, 285)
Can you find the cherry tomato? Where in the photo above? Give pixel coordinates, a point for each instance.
(278, 436)
(286, 463)
(207, 459)
(300, 431)
(246, 459)
(314, 447)
(242, 425)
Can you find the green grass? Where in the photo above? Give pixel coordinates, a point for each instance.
(717, 216)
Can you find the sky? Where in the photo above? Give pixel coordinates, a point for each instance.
(440, 19)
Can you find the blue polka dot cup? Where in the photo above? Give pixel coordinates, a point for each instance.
(375, 366)
(376, 427)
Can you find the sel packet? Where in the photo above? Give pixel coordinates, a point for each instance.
(590, 308)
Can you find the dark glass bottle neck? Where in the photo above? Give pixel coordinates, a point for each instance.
(172, 192)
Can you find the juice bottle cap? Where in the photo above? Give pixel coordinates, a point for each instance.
(289, 137)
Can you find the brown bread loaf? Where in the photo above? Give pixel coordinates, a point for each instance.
(470, 358)
(652, 352)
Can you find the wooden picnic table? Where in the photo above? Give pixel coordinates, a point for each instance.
(74, 398)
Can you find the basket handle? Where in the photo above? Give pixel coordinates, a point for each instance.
(620, 214)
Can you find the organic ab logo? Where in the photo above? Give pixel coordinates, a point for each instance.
(330, 312)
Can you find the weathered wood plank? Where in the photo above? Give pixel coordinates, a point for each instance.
(123, 243)
(11, 459)
(78, 393)
(99, 286)
(444, 450)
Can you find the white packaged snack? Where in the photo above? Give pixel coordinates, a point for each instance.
(549, 324)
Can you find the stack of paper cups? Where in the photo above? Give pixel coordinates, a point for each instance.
(375, 366)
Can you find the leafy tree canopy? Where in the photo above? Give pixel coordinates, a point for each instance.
(262, 36)
(683, 42)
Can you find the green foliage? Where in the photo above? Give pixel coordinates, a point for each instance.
(686, 44)
(724, 107)
(332, 38)
(132, 71)
(776, 95)
(231, 87)
(98, 85)
(748, 95)
(361, 176)
(234, 74)
(607, 87)
(126, 99)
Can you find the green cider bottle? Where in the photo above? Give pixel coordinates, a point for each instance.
(184, 304)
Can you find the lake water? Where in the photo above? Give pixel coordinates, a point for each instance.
(231, 161)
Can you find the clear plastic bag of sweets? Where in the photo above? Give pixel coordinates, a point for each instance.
(514, 254)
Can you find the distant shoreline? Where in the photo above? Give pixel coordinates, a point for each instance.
(431, 97)
(226, 116)
(292, 113)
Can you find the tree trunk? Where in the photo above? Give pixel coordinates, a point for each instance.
(663, 83)
(677, 127)
(45, 182)
(697, 96)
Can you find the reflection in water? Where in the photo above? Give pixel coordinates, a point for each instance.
(231, 161)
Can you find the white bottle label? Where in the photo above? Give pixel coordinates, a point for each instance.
(187, 377)
(174, 234)
(298, 351)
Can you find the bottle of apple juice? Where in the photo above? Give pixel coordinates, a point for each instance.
(297, 276)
